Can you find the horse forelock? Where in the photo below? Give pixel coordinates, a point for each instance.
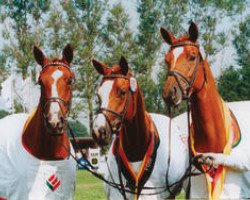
(183, 38)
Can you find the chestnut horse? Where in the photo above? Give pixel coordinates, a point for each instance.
(139, 153)
(219, 131)
(34, 149)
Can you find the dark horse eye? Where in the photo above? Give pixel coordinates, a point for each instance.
(122, 92)
(69, 82)
(192, 58)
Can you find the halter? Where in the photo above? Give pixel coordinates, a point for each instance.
(177, 75)
(121, 115)
(56, 99)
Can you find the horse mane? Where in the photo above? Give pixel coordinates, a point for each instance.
(58, 60)
(209, 75)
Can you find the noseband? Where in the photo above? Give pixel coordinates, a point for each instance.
(58, 100)
(177, 75)
(121, 115)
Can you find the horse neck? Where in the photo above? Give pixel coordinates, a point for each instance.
(208, 117)
(136, 134)
(38, 142)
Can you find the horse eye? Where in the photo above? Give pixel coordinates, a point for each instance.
(192, 58)
(69, 82)
(122, 92)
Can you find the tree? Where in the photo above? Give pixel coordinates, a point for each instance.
(78, 129)
(148, 44)
(22, 28)
(234, 83)
(228, 84)
(117, 38)
(3, 113)
(84, 35)
(25, 32)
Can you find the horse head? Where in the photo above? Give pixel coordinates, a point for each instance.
(185, 76)
(116, 94)
(56, 80)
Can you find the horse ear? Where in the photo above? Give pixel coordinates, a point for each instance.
(124, 65)
(39, 56)
(67, 53)
(100, 67)
(193, 32)
(167, 36)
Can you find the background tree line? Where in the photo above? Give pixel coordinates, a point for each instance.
(102, 29)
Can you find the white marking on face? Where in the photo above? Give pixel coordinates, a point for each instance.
(104, 92)
(177, 52)
(100, 121)
(54, 106)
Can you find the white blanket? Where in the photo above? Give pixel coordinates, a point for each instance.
(23, 176)
(178, 165)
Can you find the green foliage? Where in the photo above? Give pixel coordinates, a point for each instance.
(148, 44)
(84, 35)
(24, 35)
(229, 85)
(3, 113)
(234, 84)
(78, 129)
(116, 36)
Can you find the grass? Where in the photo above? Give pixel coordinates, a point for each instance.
(90, 188)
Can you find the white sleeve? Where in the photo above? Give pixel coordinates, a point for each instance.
(236, 160)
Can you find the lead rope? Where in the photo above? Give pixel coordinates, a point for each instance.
(122, 190)
(118, 186)
(189, 147)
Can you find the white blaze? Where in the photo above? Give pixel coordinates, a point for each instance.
(54, 106)
(103, 92)
(177, 52)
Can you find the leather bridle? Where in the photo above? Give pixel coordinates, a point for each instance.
(58, 100)
(120, 116)
(179, 76)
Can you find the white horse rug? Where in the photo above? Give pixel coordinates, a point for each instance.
(23, 176)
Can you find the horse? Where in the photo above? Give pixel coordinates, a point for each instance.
(34, 149)
(137, 161)
(219, 132)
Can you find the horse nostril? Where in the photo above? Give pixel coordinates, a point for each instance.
(102, 130)
(173, 91)
(62, 119)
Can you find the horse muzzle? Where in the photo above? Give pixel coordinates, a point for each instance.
(101, 132)
(55, 125)
(172, 96)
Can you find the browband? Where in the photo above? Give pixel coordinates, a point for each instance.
(57, 64)
(116, 76)
(185, 44)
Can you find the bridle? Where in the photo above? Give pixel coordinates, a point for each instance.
(179, 76)
(58, 100)
(120, 116)
(186, 94)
